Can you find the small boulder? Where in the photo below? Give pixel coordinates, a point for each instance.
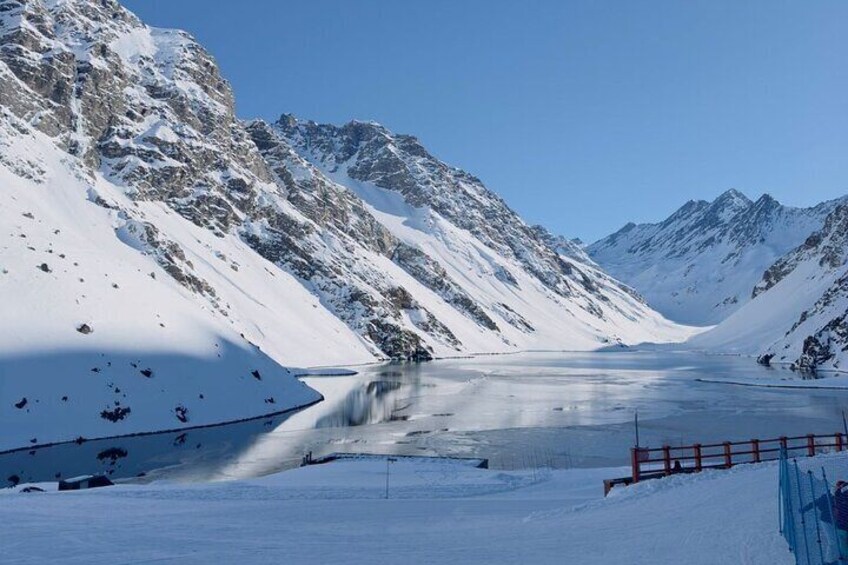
(182, 413)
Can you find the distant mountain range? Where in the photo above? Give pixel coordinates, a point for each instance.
(772, 277)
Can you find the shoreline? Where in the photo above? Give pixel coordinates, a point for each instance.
(167, 431)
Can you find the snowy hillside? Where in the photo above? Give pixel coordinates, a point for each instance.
(700, 264)
(798, 315)
(480, 278)
(162, 261)
(98, 338)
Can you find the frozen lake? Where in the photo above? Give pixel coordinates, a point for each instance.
(526, 410)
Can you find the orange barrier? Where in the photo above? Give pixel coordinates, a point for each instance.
(652, 463)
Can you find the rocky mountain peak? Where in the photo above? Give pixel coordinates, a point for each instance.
(710, 254)
(369, 153)
(732, 197)
(410, 256)
(766, 201)
(724, 209)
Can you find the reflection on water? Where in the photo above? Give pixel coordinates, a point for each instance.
(372, 403)
(524, 410)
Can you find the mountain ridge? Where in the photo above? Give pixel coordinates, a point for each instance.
(702, 263)
(142, 215)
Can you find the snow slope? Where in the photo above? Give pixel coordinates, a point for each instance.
(700, 265)
(438, 512)
(157, 356)
(798, 315)
(495, 282)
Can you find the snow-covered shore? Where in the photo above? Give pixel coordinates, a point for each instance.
(438, 512)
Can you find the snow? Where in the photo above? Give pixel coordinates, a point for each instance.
(798, 315)
(474, 266)
(766, 319)
(199, 358)
(438, 512)
(700, 265)
(134, 44)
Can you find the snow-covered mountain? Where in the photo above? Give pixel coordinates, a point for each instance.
(163, 261)
(701, 264)
(478, 278)
(799, 315)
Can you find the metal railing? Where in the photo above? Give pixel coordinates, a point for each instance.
(667, 460)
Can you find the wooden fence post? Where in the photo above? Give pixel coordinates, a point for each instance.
(698, 461)
(728, 459)
(784, 444)
(635, 463)
(811, 445)
(667, 459)
(755, 444)
(838, 441)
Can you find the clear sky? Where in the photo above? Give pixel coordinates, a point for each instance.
(582, 114)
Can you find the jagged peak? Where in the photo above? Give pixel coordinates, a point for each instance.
(287, 120)
(766, 203)
(732, 197)
(766, 198)
(733, 193)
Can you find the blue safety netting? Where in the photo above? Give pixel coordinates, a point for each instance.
(813, 516)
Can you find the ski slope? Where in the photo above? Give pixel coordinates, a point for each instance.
(438, 512)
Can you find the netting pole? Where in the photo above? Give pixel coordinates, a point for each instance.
(815, 515)
(780, 503)
(801, 508)
(789, 525)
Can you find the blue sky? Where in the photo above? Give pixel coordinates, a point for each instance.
(583, 115)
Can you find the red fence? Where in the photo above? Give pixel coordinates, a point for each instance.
(667, 460)
(651, 463)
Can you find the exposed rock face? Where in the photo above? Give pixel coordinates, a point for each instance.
(335, 175)
(823, 258)
(699, 265)
(828, 245)
(144, 117)
(149, 110)
(368, 153)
